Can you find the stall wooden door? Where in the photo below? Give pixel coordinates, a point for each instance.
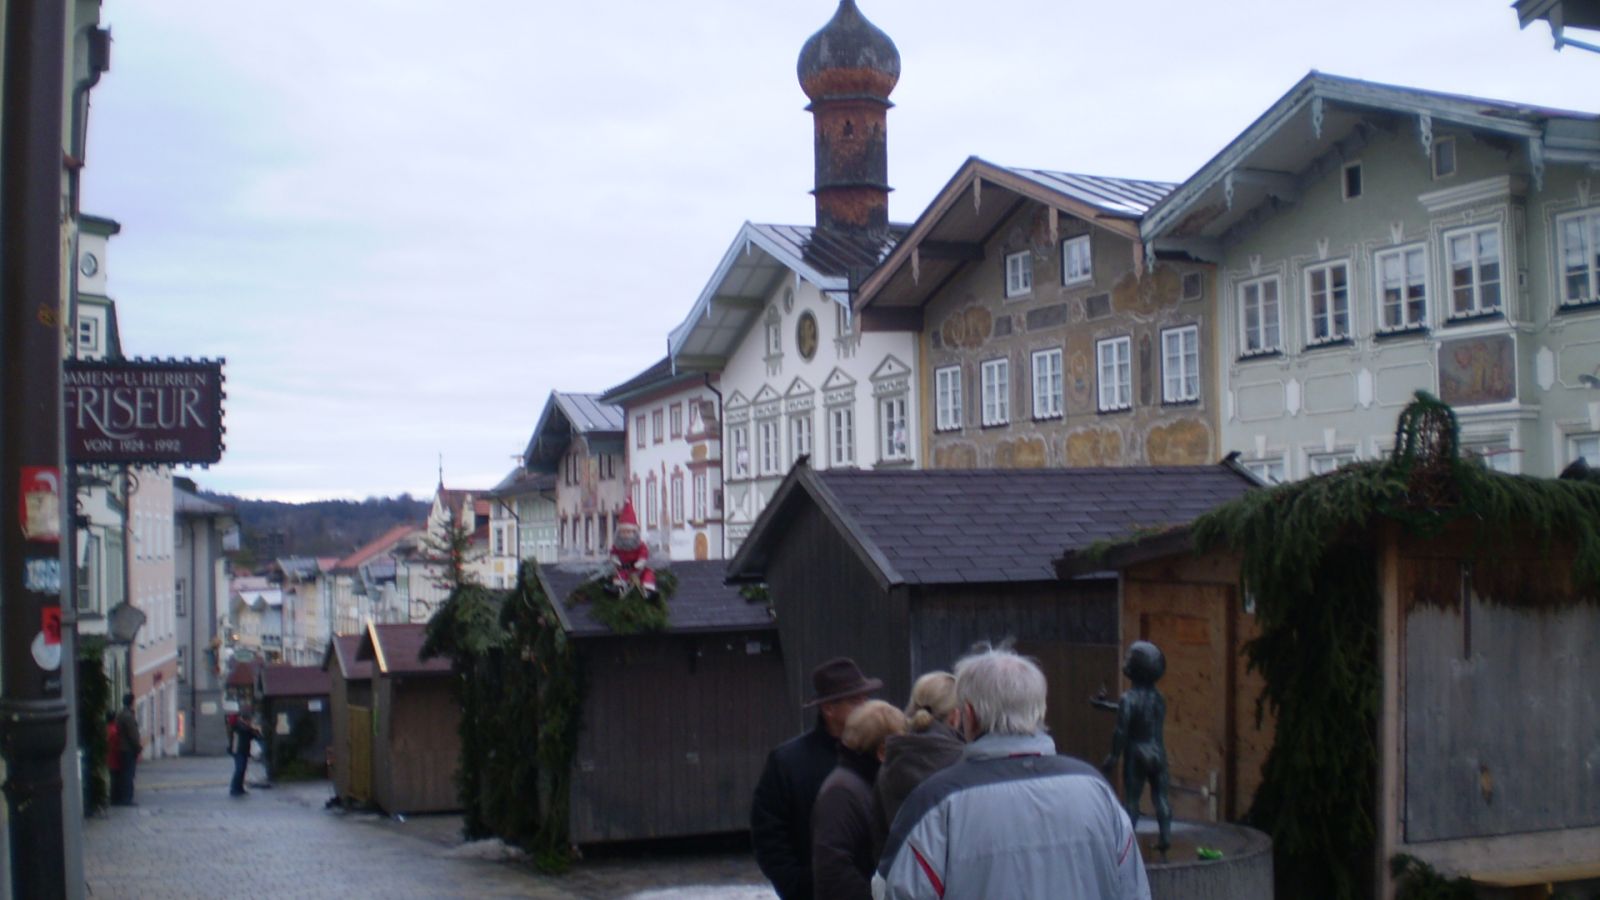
(1075, 673)
(360, 751)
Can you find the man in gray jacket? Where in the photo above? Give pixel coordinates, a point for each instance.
(1011, 819)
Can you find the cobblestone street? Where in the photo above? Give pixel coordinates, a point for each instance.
(188, 838)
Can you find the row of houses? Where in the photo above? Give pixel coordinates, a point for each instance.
(1356, 243)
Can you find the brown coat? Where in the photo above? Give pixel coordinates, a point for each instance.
(908, 760)
(845, 836)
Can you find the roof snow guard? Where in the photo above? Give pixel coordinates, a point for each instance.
(759, 259)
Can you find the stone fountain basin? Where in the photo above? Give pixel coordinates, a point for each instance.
(1243, 873)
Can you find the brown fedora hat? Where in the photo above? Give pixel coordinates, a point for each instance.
(839, 678)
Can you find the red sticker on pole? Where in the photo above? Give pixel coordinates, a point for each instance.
(41, 503)
(50, 624)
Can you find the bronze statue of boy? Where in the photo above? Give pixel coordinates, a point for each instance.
(1138, 739)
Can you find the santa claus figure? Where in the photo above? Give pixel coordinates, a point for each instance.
(631, 556)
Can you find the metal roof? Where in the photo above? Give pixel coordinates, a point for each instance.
(760, 258)
(520, 481)
(1327, 117)
(1117, 196)
(185, 503)
(566, 415)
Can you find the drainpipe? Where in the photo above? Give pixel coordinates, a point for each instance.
(722, 466)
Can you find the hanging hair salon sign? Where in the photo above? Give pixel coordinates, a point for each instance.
(143, 412)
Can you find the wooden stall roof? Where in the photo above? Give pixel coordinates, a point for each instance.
(342, 652)
(984, 526)
(295, 681)
(396, 650)
(244, 674)
(703, 601)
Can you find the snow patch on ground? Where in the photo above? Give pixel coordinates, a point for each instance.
(707, 892)
(492, 849)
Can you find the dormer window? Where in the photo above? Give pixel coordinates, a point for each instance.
(1444, 157)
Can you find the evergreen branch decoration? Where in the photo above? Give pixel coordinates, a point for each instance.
(1309, 553)
(94, 703)
(631, 612)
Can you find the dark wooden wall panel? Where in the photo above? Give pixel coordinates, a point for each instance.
(829, 605)
(948, 620)
(675, 731)
(1502, 730)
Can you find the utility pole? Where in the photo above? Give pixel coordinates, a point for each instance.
(33, 502)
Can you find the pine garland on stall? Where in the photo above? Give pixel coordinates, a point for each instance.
(631, 612)
(518, 685)
(1309, 562)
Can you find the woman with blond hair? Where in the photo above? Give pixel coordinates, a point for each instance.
(931, 744)
(846, 832)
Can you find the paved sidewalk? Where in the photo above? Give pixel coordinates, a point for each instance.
(188, 838)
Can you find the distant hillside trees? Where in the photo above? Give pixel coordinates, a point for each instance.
(270, 529)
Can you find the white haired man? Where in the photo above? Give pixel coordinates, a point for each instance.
(1011, 819)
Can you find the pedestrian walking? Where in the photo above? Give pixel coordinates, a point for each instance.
(241, 736)
(1011, 819)
(845, 832)
(130, 744)
(114, 757)
(930, 743)
(780, 812)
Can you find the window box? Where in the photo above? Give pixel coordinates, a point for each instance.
(1397, 334)
(1329, 345)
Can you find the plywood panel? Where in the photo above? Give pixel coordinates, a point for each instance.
(1075, 673)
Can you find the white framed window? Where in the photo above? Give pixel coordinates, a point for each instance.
(1496, 453)
(1260, 316)
(741, 451)
(996, 377)
(652, 502)
(947, 397)
(1077, 262)
(1019, 273)
(88, 334)
(844, 321)
(1475, 267)
(675, 420)
(774, 335)
(767, 446)
(1047, 384)
(638, 432)
(697, 422)
(1579, 235)
(894, 438)
(842, 436)
(588, 534)
(1402, 275)
(1323, 463)
(1444, 157)
(1115, 358)
(657, 433)
(1328, 302)
(1180, 364)
(1194, 286)
(675, 500)
(1586, 446)
(1269, 469)
(1350, 181)
(800, 435)
(700, 483)
(638, 501)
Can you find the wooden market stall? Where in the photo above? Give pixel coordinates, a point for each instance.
(416, 716)
(675, 725)
(297, 719)
(350, 706)
(905, 570)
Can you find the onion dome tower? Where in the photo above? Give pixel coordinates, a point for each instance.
(848, 70)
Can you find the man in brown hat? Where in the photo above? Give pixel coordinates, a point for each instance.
(780, 815)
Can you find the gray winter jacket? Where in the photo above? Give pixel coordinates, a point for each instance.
(1012, 820)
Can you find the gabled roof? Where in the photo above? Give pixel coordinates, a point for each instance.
(454, 501)
(983, 525)
(1326, 119)
(294, 681)
(1561, 15)
(519, 482)
(659, 377)
(395, 649)
(298, 567)
(342, 652)
(192, 505)
(565, 416)
(259, 598)
(702, 602)
(951, 233)
(760, 257)
(382, 544)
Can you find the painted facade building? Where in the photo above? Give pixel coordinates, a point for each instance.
(1046, 340)
(798, 377)
(579, 440)
(1374, 241)
(674, 452)
(522, 523)
(372, 583)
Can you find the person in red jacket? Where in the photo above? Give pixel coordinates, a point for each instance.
(114, 756)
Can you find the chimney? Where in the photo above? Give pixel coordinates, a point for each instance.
(848, 69)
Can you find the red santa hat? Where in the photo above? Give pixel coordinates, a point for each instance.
(626, 517)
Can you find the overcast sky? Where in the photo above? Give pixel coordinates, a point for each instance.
(403, 222)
